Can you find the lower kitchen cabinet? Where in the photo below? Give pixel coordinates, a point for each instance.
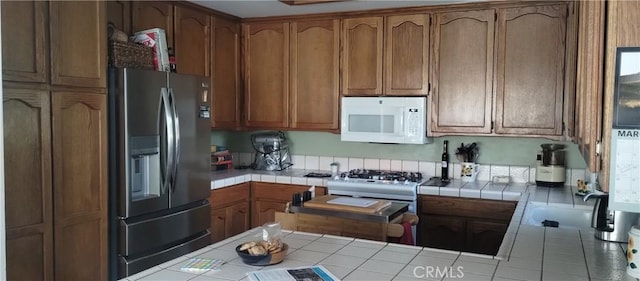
(463, 224)
(269, 198)
(229, 211)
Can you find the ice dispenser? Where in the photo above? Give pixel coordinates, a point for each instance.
(144, 167)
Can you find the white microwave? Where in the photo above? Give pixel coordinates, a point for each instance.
(384, 120)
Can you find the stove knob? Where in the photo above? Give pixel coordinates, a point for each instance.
(336, 177)
(346, 178)
(407, 182)
(395, 182)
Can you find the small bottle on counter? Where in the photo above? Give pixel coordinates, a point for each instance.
(445, 162)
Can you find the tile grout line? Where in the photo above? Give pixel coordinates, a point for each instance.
(584, 254)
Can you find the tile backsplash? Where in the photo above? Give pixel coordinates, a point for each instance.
(517, 174)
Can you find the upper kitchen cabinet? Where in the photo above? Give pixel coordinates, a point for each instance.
(462, 72)
(385, 56)
(503, 72)
(530, 70)
(266, 59)
(362, 56)
(315, 48)
(192, 41)
(24, 27)
(153, 14)
(589, 82)
(225, 79)
(78, 43)
(406, 55)
(119, 13)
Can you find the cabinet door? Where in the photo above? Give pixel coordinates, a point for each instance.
(589, 82)
(218, 224)
(78, 43)
(225, 79)
(530, 70)
(484, 237)
(25, 53)
(266, 57)
(80, 185)
(119, 13)
(27, 152)
(152, 14)
(442, 232)
(462, 72)
(192, 41)
(264, 211)
(406, 55)
(315, 47)
(237, 219)
(362, 56)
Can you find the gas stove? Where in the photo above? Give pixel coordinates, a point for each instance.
(380, 176)
(376, 184)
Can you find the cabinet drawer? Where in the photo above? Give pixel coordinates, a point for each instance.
(276, 191)
(467, 207)
(229, 195)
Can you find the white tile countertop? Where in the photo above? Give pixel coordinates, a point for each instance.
(528, 252)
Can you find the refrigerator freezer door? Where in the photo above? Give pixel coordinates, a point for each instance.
(192, 174)
(142, 142)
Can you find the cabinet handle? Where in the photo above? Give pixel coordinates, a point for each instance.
(220, 218)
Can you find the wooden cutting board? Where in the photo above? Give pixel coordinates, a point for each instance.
(321, 202)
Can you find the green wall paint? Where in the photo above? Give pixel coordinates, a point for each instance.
(493, 150)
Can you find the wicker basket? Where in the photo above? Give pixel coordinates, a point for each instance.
(132, 55)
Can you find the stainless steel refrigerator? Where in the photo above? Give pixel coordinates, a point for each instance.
(159, 168)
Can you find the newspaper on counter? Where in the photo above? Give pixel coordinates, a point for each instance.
(305, 273)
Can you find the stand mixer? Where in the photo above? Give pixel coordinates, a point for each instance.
(272, 151)
(550, 169)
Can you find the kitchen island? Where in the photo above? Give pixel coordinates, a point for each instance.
(528, 252)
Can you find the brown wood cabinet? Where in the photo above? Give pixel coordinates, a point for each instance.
(55, 138)
(78, 43)
(28, 194)
(315, 48)
(119, 13)
(362, 56)
(402, 42)
(463, 224)
(80, 183)
(266, 81)
(229, 211)
(24, 24)
(406, 55)
(590, 81)
(226, 83)
(153, 14)
(191, 44)
(622, 31)
(268, 198)
(503, 78)
(462, 72)
(531, 50)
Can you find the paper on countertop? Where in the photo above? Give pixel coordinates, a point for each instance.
(316, 272)
(200, 264)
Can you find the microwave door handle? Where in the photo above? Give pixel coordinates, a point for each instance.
(168, 119)
(176, 142)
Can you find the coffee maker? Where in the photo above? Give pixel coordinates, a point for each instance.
(550, 169)
(272, 151)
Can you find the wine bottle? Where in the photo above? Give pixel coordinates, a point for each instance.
(445, 162)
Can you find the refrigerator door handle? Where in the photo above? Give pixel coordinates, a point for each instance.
(176, 126)
(170, 164)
